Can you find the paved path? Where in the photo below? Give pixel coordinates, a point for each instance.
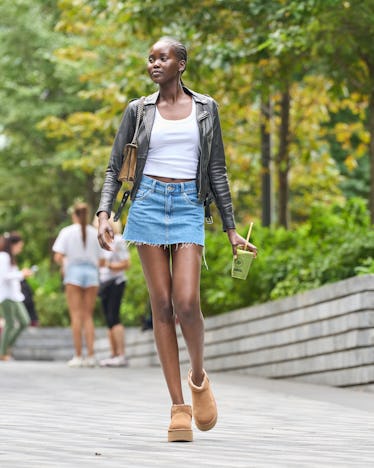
(53, 416)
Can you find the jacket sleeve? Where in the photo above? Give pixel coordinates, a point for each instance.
(124, 135)
(218, 175)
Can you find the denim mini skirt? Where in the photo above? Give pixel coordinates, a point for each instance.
(165, 214)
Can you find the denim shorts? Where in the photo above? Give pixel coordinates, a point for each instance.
(164, 213)
(84, 275)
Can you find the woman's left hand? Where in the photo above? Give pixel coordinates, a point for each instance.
(27, 272)
(237, 240)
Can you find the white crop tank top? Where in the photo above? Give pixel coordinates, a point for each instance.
(174, 147)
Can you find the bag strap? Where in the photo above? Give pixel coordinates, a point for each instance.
(121, 205)
(139, 113)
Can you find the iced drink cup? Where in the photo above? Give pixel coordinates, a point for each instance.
(241, 264)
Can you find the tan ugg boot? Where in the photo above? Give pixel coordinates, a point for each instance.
(180, 424)
(203, 404)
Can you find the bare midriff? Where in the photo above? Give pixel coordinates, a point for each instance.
(169, 180)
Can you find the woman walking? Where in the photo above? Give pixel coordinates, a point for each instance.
(78, 253)
(181, 167)
(11, 297)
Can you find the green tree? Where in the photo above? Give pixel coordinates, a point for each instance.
(344, 38)
(34, 189)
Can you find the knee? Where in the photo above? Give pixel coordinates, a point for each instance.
(25, 323)
(162, 311)
(76, 320)
(189, 313)
(87, 320)
(112, 322)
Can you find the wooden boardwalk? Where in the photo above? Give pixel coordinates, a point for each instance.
(54, 416)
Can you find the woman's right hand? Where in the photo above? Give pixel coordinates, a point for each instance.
(105, 232)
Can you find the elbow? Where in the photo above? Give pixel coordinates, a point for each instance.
(58, 258)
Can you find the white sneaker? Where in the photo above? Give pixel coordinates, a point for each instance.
(90, 361)
(76, 361)
(105, 362)
(117, 361)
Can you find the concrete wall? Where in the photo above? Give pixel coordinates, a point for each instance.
(55, 344)
(321, 336)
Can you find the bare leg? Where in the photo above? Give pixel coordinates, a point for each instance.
(156, 267)
(118, 337)
(89, 298)
(186, 269)
(74, 300)
(111, 342)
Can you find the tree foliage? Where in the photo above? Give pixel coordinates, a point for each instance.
(344, 39)
(34, 188)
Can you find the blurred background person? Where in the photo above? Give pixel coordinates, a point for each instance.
(146, 318)
(29, 301)
(112, 288)
(11, 297)
(78, 253)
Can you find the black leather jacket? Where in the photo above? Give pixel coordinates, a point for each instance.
(211, 177)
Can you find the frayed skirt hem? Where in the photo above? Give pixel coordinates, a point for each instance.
(177, 245)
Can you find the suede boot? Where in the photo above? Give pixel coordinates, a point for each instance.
(203, 404)
(180, 424)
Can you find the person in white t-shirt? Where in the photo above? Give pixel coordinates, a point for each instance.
(112, 288)
(79, 254)
(11, 297)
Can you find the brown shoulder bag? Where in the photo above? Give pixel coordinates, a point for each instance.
(127, 172)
